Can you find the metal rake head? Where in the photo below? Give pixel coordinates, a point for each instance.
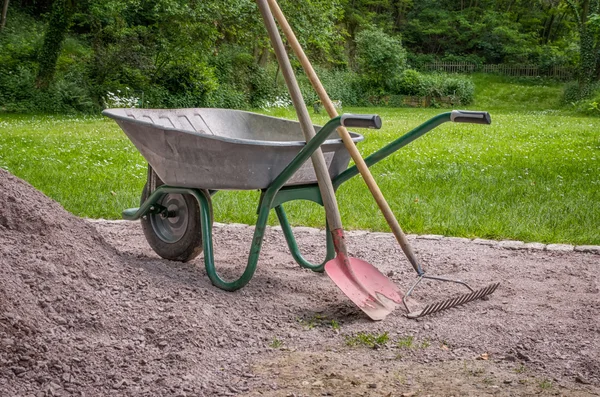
(453, 302)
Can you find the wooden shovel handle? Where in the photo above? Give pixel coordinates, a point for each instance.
(346, 138)
(319, 164)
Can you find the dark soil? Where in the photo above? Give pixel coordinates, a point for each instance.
(86, 308)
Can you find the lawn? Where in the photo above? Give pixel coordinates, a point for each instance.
(533, 175)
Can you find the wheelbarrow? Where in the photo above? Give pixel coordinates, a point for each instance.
(195, 153)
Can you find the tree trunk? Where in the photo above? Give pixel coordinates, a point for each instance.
(548, 28)
(60, 19)
(587, 53)
(4, 12)
(587, 68)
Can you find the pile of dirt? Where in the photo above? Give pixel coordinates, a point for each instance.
(86, 308)
(50, 287)
(78, 318)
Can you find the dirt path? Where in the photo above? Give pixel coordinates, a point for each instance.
(86, 308)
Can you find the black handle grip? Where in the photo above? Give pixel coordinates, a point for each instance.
(361, 121)
(467, 116)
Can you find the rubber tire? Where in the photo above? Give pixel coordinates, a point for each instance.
(190, 244)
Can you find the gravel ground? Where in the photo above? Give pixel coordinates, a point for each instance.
(86, 308)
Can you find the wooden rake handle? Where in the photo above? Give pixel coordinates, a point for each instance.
(346, 138)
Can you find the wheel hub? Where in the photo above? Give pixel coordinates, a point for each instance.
(170, 225)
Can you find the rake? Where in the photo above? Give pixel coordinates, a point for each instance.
(447, 303)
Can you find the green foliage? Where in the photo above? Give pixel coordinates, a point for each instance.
(68, 91)
(276, 343)
(589, 106)
(189, 83)
(461, 89)
(406, 342)
(571, 93)
(18, 93)
(379, 57)
(60, 19)
(342, 85)
(263, 86)
(214, 53)
(470, 58)
(409, 83)
(436, 85)
(585, 13)
(363, 339)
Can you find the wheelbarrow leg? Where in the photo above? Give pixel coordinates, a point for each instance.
(209, 260)
(293, 246)
(202, 196)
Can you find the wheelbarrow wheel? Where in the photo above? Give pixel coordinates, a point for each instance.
(176, 235)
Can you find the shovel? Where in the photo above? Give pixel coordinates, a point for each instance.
(370, 290)
(334, 269)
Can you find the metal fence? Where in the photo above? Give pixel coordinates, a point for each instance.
(557, 72)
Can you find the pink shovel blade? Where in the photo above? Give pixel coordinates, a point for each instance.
(370, 290)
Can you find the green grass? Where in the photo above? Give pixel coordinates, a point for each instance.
(319, 321)
(276, 343)
(406, 342)
(86, 164)
(545, 384)
(499, 93)
(370, 340)
(533, 175)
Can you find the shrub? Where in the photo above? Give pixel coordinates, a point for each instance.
(572, 93)
(262, 86)
(228, 97)
(410, 82)
(194, 81)
(72, 96)
(589, 106)
(460, 89)
(342, 85)
(380, 57)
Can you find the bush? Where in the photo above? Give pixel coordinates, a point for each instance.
(410, 82)
(227, 97)
(380, 57)
(193, 80)
(572, 93)
(342, 86)
(589, 106)
(263, 87)
(436, 85)
(459, 89)
(72, 96)
(67, 94)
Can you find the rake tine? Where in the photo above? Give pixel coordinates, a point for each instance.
(454, 302)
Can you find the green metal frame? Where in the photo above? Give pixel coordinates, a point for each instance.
(274, 197)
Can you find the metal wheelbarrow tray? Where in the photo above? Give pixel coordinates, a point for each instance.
(221, 149)
(194, 153)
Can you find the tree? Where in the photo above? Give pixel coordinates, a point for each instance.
(584, 12)
(3, 16)
(60, 19)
